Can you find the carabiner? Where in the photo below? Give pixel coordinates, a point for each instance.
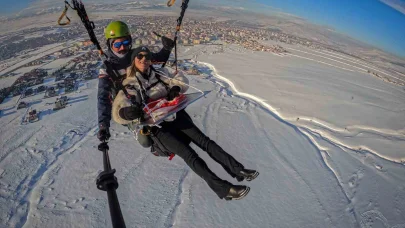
(170, 3)
(61, 17)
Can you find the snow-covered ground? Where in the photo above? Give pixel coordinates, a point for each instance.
(39, 53)
(50, 66)
(328, 140)
(8, 81)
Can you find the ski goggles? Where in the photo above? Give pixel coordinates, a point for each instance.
(147, 56)
(119, 44)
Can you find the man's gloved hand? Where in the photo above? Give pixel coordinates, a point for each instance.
(103, 133)
(168, 43)
(173, 92)
(131, 113)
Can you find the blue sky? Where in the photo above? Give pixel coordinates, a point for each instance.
(8, 7)
(370, 21)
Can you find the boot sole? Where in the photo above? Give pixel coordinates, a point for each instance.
(241, 196)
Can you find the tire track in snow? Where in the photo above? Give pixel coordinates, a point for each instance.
(207, 120)
(171, 218)
(136, 165)
(214, 109)
(311, 190)
(210, 110)
(356, 129)
(291, 166)
(280, 117)
(360, 61)
(329, 64)
(362, 69)
(42, 175)
(11, 122)
(359, 149)
(325, 155)
(15, 138)
(269, 109)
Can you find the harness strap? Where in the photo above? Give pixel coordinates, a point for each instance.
(144, 96)
(129, 96)
(157, 75)
(184, 6)
(160, 145)
(159, 80)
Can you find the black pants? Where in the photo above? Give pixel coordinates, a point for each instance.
(169, 136)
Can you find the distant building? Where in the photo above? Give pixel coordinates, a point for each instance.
(87, 43)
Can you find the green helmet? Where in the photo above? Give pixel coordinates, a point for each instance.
(116, 29)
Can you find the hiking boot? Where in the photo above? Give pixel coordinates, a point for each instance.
(247, 174)
(237, 192)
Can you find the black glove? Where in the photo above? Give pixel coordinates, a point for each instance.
(103, 133)
(131, 113)
(168, 43)
(173, 92)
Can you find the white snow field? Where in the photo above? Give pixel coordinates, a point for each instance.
(341, 164)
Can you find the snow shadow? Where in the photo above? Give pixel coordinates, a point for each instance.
(205, 69)
(8, 108)
(31, 103)
(45, 113)
(2, 114)
(77, 99)
(49, 80)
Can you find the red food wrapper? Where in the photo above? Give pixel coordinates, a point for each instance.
(162, 106)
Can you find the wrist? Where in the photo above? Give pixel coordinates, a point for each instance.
(167, 48)
(103, 126)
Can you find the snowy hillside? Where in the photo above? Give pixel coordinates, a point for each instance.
(327, 138)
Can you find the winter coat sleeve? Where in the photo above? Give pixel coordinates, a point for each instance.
(162, 56)
(120, 101)
(104, 102)
(175, 80)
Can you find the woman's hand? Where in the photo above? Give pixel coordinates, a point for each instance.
(168, 43)
(131, 112)
(173, 92)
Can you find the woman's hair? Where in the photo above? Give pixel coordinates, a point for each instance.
(131, 71)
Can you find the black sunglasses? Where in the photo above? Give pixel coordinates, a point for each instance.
(147, 56)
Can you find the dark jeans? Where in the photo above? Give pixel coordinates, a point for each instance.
(169, 137)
